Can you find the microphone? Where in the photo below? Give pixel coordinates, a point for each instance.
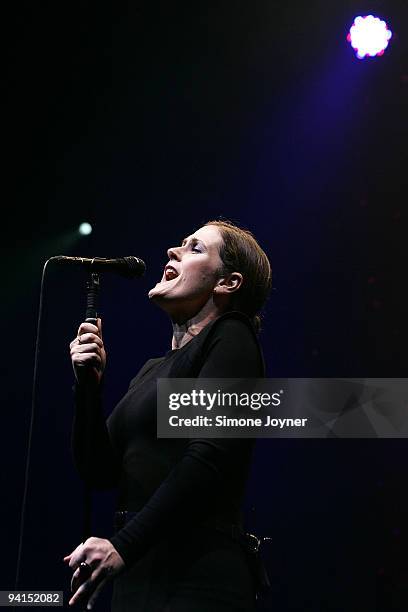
(129, 267)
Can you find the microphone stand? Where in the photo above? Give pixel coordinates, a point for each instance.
(92, 290)
(91, 316)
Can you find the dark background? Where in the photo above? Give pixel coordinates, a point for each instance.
(148, 119)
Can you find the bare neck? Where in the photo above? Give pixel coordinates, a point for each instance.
(184, 332)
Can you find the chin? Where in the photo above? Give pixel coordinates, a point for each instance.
(159, 295)
(157, 290)
(170, 305)
(154, 295)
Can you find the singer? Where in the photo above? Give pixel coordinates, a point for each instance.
(179, 544)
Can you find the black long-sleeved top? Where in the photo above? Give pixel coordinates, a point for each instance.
(171, 483)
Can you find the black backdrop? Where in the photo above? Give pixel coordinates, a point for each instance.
(148, 119)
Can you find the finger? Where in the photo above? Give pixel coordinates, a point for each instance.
(75, 556)
(94, 596)
(99, 324)
(87, 588)
(86, 339)
(85, 328)
(80, 576)
(86, 359)
(81, 592)
(86, 347)
(75, 549)
(75, 582)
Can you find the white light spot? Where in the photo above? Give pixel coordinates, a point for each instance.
(369, 36)
(85, 229)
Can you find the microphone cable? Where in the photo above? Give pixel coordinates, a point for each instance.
(30, 431)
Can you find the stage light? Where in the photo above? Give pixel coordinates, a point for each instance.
(85, 229)
(369, 36)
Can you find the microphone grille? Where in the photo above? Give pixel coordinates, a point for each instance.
(135, 266)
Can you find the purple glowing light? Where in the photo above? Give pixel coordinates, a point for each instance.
(369, 36)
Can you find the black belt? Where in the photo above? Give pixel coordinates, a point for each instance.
(248, 541)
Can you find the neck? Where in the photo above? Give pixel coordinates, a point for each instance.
(186, 331)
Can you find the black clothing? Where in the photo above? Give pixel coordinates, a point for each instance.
(174, 485)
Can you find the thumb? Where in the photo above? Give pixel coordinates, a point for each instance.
(99, 324)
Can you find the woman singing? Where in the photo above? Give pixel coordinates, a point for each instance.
(178, 540)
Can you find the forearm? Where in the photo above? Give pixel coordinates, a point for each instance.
(190, 494)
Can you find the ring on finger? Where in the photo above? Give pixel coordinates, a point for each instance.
(85, 572)
(85, 569)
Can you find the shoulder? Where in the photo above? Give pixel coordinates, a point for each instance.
(232, 323)
(231, 340)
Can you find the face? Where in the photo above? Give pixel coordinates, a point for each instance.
(190, 276)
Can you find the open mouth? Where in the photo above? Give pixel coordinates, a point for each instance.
(170, 273)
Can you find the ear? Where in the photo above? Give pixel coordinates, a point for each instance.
(229, 284)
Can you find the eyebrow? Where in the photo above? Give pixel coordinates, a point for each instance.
(194, 240)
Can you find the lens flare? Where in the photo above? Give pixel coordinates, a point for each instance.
(85, 229)
(369, 36)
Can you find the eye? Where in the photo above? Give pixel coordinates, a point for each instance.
(196, 249)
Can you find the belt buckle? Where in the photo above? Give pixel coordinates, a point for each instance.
(253, 543)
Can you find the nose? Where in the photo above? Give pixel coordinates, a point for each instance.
(173, 253)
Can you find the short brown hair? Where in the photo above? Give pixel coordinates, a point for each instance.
(240, 252)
